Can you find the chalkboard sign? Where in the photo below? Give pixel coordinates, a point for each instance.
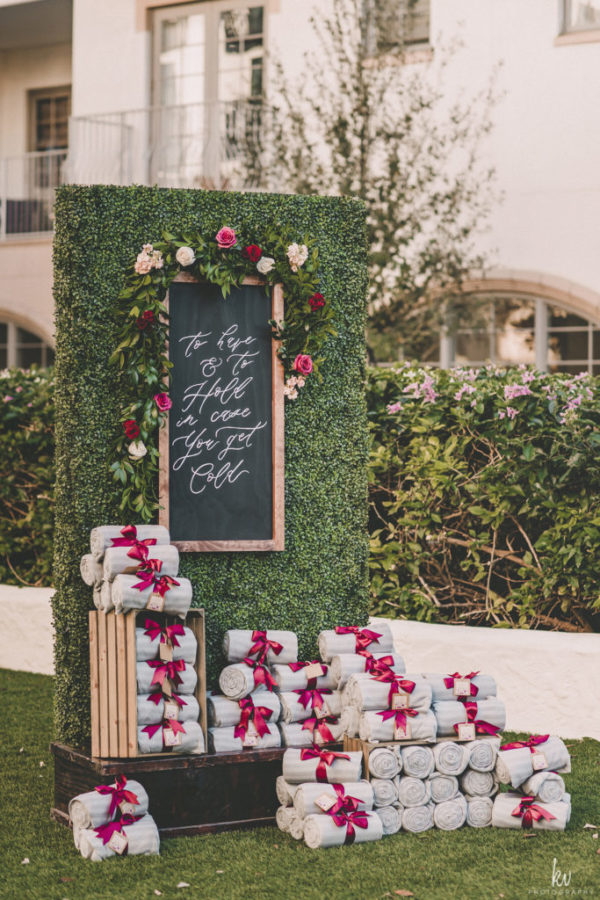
(221, 452)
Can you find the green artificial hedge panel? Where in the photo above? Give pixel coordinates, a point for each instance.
(321, 578)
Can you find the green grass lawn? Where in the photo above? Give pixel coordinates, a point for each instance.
(264, 863)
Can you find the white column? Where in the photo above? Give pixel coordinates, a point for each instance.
(541, 335)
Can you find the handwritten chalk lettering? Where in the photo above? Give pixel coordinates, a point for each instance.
(242, 360)
(207, 474)
(240, 438)
(195, 443)
(224, 393)
(195, 341)
(228, 341)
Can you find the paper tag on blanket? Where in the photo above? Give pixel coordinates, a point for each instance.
(250, 739)
(315, 670)
(171, 738)
(402, 732)
(539, 761)
(466, 731)
(156, 603)
(171, 710)
(165, 651)
(325, 802)
(322, 711)
(118, 842)
(127, 809)
(462, 687)
(400, 701)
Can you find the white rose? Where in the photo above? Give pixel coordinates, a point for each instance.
(297, 256)
(137, 449)
(185, 256)
(265, 264)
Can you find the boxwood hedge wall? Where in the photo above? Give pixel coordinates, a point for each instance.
(321, 578)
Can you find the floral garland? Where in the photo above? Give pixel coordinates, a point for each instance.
(225, 260)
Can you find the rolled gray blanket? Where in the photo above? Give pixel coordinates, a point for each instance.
(124, 596)
(97, 597)
(479, 811)
(443, 787)
(296, 827)
(222, 740)
(507, 803)
(372, 727)
(145, 674)
(223, 712)
(288, 680)
(418, 818)
(237, 681)
(413, 791)
(451, 814)
(146, 648)
(344, 665)
(91, 570)
(478, 784)
(237, 645)
(106, 603)
(364, 692)
(283, 817)
(451, 712)
(293, 711)
(483, 753)
(150, 713)
(298, 771)
(91, 809)
(321, 831)
(142, 839)
(332, 644)
(384, 762)
(385, 791)
(118, 562)
(294, 735)
(351, 717)
(192, 740)
(307, 794)
(417, 761)
(516, 766)
(391, 818)
(102, 537)
(285, 791)
(485, 684)
(547, 786)
(451, 758)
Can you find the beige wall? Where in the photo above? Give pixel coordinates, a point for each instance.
(26, 285)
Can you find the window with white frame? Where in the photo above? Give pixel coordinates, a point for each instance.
(22, 348)
(400, 23)
(580, 15)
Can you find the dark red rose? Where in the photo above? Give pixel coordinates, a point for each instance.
(317, 301)
(252, 252)
(131, 429)
(146, 319)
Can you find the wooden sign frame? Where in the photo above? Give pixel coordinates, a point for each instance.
(277, 541)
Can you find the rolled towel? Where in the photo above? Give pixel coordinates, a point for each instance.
(517, 765)
(418, 818)
(391, 818)
(321, 831)
(237, 681)
(373, 727)
(479, 811)
(451, 758)
(417, 761)
(142, 839)
(478, 784)
(151, 713)
(296, 827)
(443, 787)
(97, 597)
(384, 762)
(285, 791)
(292, 710)
(483, 753)
(91, 809)
(365, 692)
(192, 740)
(118, 562)
(413, 791)
(307, 794)
(223, 712)
(294, 735)
(283, 817)
(223, 740)
(485, 684)
(344, 665)
(548, 787)
(102, 537)
(124, 596)
(298, 769)
(451, 712)
(385, 791)
(351, 719)
(106, 603)
(451, 814)
(183, 681)
(91, 570)
(239, 644)
(333, 644)
(290, 680)
(147, 648)
(507, 804)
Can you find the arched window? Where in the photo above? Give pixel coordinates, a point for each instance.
(22, 348)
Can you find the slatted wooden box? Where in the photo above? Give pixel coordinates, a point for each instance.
(113, 679)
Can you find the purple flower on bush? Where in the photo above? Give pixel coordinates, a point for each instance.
(512, 391)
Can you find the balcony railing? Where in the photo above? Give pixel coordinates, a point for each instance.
(27, 186)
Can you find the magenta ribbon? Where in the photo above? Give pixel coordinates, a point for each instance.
(261, 646)
(158, 696)
(350, 819)
(312, 696)
(449, 681)
(119, 794)
(173, 724)
(481, 727)
(320, 725)
(529, 812)
(326, 758)
(149, 572)
(254, 714)
(139, 549)
(364, 637)
(311, 683)
(153, 630)
(399, 715)
(532, 742)
(344, 802)
(168, 670)
(261, 674)
(378, 666)
(106, 831)
(397, 683)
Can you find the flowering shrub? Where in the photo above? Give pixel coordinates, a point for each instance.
(26, 477)
(485, 497)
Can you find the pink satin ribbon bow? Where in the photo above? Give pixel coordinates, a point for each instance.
(138, 549)
(326, 758)
(173, 724)
(344, 802)
(397, 683)
(106, 831)
(261, 674)
(364, 637)
(449, 681)
(168, 670)
(320, 725)
(399, 715)
(119, 794)
(350, 820)
(153, 630)
(158, 696)
(149, 572)
(529, 812)
(311, 683)
(311, 696)
(481, 727)
(378, 666)
(262, 645)
(532, 742)
(254, 714)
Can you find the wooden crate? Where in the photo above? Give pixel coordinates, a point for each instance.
(113, 681)
(354, 743)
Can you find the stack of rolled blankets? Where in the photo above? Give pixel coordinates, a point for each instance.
(533, 769)
(324, 800)
(112, 820)
(135, 567)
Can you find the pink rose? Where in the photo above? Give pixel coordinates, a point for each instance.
(303, 364)
(163, 401)
(225, 238)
